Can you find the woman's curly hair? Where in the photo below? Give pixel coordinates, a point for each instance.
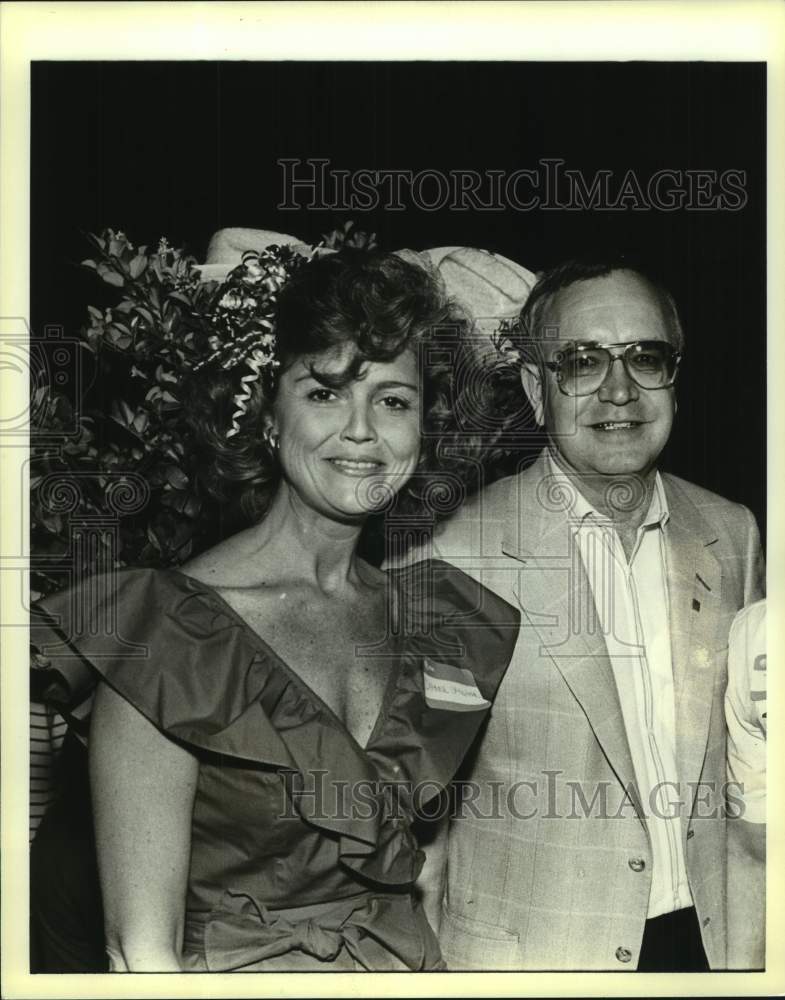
(381, 304)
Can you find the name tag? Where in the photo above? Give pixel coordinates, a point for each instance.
(451, 689)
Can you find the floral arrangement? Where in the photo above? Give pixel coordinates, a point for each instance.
(128, 460)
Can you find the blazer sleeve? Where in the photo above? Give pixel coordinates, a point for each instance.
(754, 564)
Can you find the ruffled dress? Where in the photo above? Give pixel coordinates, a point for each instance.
(302, 853)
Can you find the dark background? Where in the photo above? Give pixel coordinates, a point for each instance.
(183, 149)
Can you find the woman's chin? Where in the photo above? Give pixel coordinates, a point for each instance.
(371, 495)
(351, 504)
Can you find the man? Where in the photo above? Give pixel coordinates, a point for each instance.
(590, 832)
(745, 718)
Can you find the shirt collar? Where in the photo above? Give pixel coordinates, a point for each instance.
(580, 508)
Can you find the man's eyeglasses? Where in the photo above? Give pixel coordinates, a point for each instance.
(581, 368)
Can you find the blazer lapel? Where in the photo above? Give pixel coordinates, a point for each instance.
(694, 587)
(555, 597)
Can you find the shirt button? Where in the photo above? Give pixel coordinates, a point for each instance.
(623, 954)
(637, 864)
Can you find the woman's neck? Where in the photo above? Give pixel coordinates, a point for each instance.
(307, 545)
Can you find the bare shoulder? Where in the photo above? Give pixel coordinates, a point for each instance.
(230, 563)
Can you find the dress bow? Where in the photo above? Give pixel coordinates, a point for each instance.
(373, 929)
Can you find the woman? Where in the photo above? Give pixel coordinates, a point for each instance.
(274, 715)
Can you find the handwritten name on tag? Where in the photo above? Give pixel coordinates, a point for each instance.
(451, 689)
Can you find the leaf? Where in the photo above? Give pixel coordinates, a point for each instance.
(153, 538)
(179, 534)
(176, 477)
(90, 263)
(119, 336)
(118, 244)
(75, 447)
(175, 499)
(146, 315)
(122, 412)
(193, 507)
(110, 276)
(185, 550)
(140, 422)
(39, 395)
(96, 314)
(137, 266)
(162, 375)
(52, 522)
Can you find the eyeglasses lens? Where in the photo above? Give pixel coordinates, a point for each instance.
(651, 365)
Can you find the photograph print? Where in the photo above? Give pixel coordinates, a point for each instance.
(397, 516)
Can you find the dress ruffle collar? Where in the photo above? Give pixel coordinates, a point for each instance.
(201, 674)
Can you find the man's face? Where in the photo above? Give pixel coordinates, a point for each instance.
(620, 428)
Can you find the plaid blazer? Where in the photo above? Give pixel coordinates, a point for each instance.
(548, 858)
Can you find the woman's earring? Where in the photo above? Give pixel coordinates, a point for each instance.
(270, 439)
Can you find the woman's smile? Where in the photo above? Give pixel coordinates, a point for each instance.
(355, 466)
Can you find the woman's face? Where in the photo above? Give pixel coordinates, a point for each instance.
(345, 451)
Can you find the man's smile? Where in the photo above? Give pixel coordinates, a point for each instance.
(609, 426)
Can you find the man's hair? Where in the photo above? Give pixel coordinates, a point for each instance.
(532, 328)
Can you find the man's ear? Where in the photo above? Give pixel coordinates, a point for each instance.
(531, 380)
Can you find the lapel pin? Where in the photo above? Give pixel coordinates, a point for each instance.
(696, 604)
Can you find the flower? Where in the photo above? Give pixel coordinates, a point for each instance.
(253, 272)
(231, 301)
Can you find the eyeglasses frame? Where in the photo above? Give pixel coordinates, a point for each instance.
(555, 366)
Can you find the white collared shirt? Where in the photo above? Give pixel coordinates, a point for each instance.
(633, 612)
